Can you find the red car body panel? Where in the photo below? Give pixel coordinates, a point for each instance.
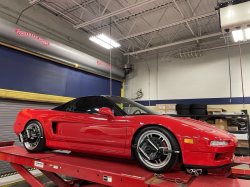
(99, 134)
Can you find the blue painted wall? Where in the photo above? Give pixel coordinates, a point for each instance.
(24, 72)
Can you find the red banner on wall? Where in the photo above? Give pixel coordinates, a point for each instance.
(24, 33)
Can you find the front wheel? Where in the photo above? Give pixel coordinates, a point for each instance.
(157, 150)
(34, 140)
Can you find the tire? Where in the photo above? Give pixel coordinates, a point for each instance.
(38, 144)
(198, 106)
(199, 111)
(183, 112)
(183, 107)
(165, 162)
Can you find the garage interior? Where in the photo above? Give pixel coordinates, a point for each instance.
(180, 58)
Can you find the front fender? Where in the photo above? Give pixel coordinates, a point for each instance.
(179, 129)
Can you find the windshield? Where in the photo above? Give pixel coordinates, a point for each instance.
(131, 107)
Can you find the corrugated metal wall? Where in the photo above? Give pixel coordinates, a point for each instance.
(8, 113)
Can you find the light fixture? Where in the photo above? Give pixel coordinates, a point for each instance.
(238, 35)
(104, 41)
(247, 33)
(229, 13)
(219, 143)
(190, 141)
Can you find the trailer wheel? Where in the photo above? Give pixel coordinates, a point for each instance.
(157, 150)
(34, 141)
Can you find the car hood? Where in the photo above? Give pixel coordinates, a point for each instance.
(201, 125)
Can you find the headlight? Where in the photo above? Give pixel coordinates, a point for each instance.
(219, 143)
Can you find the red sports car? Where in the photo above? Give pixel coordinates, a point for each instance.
(115, 126)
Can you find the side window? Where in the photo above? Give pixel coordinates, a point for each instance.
(91, 105)
(68, 107)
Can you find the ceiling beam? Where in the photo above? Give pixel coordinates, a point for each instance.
(183, 17)
(168, 25)
(105, 8)
(140, 14)
(175, 43)
(193, 13)
(113, 14)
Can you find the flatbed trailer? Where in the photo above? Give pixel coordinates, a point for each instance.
(102, 171)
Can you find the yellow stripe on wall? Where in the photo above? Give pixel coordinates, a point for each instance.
(29, 96)
(122, 89)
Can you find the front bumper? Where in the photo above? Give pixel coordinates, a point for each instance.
(207, 167)
(207, 160)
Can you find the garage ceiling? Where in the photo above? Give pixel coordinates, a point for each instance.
(142, 25)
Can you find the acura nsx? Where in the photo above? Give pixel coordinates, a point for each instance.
(118, 127)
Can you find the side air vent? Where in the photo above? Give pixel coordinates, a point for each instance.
(54, 124)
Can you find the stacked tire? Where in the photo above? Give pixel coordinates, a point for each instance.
(193, 109)
(198, 109)
(183, 109)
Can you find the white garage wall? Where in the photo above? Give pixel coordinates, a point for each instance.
(196, 78)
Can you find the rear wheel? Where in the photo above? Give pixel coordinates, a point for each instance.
(154, 149)
(34, 140)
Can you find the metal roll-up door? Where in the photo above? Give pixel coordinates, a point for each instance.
(9, 110)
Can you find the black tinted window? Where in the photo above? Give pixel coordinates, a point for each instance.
(91, 105)
(64, 107)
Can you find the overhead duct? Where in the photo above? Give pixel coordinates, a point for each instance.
(47, 47)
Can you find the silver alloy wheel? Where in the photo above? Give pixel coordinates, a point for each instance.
(161, 136)
(35, 132)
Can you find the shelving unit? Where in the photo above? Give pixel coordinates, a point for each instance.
(198, 117)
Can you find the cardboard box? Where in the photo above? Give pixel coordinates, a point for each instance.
(210, 121)
(243, 143)
(211, 110)
(220, 126)
(171, 112)
(161, 111)
(160, 106)
(221, 122)
(232, 128)
(170, 106)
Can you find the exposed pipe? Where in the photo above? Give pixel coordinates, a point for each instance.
(40, 44)
(229, 69)
(209, 49)
(242, 85)
(172, 44)
(110, 70)
(157, 77)
(148, 83)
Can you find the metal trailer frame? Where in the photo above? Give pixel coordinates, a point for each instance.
(107, 171)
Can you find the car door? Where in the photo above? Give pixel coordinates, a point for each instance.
(83, 127)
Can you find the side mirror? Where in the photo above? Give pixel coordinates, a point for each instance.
(107, 111)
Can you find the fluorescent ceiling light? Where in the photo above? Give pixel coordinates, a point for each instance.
(247, 33)
(104, 41)
(100, 42)
(238, 35)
